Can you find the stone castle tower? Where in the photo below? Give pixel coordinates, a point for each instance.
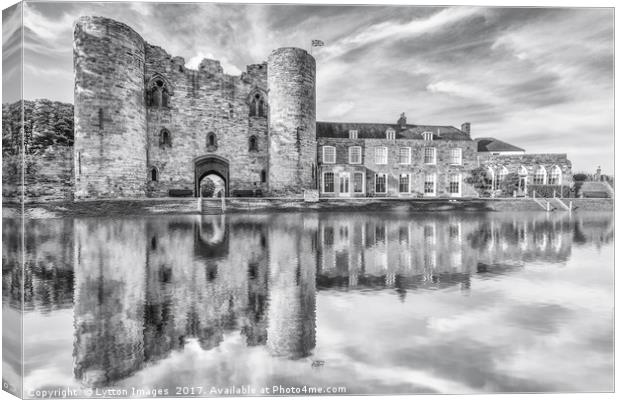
(291, 79)
(110, 116)
(148, 126)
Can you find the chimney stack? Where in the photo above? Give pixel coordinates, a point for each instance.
(402, 121)
(466, 128)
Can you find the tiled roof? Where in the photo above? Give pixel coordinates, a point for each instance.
(377, 131)
(492, 144)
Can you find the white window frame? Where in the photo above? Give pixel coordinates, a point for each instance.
(385, 150)
(460, 156)
(353, 133)
(503, 172)
(428, 136)
(434, 161)
(408, 183)
(408, 155)
(460, 183)
(340, 180)
(386, 183)
(542, 169)
(390, 134)
(434, 192)
(325, 161)
(333, 182)
(363, 182)
(360, 154)
(554, 169)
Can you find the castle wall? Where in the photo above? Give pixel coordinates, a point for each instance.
(203, 101)
(292, 121)
(110, 118)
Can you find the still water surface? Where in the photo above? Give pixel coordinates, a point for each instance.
(373, 303)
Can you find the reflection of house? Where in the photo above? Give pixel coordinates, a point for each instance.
(142, 288)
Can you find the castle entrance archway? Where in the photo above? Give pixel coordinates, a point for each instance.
(210, 165)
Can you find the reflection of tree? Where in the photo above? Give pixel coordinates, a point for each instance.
(48, 268)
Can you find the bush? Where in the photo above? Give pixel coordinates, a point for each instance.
(580, 177)
(509, 184)
(547, 190)
(481, 181)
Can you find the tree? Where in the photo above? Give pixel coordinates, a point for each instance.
(580, 177)
(510, 184)
(481, 181)
(207, 187)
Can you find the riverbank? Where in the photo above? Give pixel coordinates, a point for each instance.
(163, 206)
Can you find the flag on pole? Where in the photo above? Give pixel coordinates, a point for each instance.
(317, 43)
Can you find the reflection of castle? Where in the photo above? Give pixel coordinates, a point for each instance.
(136, 302)
(143, 287)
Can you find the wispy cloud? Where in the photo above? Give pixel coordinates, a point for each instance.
(541, 78)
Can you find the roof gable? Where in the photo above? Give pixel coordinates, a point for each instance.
(495, 145)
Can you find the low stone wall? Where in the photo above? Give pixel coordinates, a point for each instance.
(244, 205)
(47, 176)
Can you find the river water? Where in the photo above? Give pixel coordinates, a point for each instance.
(293, 303)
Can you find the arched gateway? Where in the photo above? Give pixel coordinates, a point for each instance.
(207, 165)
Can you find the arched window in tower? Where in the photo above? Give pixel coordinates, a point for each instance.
(158, 92)
(263, 176)
(253, 143)
(258, 106)
(261, 108)
(165, 139)
(211, 141)
(154, 174)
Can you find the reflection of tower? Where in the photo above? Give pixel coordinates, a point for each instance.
(291, 331)
(110, 262)
(291, 76)
(255, 328)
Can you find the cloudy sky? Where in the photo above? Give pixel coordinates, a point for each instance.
(539, 78)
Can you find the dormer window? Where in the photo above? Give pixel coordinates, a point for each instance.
(390, 134)
(428, 136)
(352, 134)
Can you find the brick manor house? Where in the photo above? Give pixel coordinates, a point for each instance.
(148, 126)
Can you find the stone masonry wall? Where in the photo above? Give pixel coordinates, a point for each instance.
(110, 118)
(203, 101)
(292, 121)
(417, 169)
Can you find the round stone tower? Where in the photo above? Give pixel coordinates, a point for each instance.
(291, 77)
(109, 114)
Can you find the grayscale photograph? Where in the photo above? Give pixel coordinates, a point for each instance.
(245, 199)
